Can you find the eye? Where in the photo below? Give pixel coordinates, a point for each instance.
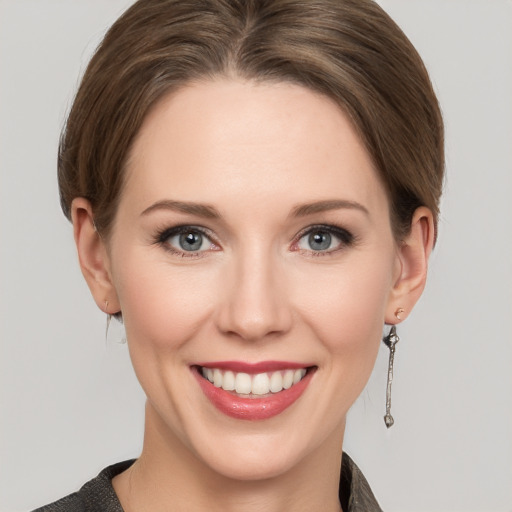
(186, 240)
(191, 241)
(324, 239)
(316, 241)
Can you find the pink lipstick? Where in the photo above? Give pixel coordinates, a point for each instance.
(253, 391)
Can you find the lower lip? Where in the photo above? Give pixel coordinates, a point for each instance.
(252, 408)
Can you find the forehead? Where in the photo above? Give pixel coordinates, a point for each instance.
(225, 139)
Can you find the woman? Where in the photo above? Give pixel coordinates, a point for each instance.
(254, 190)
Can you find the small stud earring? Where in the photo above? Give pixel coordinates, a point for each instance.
(398, 312)
(390, 341)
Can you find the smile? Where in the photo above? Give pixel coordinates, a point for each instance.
(253, 385)
(253, 392)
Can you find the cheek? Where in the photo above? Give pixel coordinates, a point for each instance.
(163, 306)
(347, 318)
(346, 310)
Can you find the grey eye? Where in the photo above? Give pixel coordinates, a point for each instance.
(322, 240)
(319, 240)
(191, 241)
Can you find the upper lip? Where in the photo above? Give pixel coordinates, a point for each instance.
(254, 368)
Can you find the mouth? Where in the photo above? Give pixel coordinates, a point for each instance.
(256, 385)
(253, 392)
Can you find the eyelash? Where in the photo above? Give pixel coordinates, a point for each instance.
(163, 236)
(346, 238)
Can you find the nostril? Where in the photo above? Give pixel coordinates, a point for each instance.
(252, 302)
(252, 322)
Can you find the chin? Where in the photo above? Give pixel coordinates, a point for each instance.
(261, 452)
(259, 463)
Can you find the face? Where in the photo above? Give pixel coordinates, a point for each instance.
(253, 259)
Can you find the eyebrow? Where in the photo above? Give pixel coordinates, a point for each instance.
(209, 212)
(201, 210)
(323, 206)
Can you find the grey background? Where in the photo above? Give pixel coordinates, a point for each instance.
(69, 402)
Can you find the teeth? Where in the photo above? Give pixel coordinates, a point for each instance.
(276, 382)
(259, 384)
(217, 378)
(288, 379)
(229, 381)
(243, 383)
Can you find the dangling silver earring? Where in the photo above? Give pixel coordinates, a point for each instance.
(122, 335)
(390, 341)
(109, 318)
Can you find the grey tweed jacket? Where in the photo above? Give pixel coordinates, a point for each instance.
(98, 495)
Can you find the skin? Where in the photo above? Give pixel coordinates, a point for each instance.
(258, 291)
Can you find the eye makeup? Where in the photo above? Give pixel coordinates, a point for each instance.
(195, 241)
(320, 238)
(192, 241)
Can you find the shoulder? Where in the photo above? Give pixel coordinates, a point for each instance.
(97, 495)
(355, 492)
(71, 503)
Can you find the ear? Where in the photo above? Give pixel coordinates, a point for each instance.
(93, 256)
(413, 254)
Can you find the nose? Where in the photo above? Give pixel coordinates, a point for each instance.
(255, 303)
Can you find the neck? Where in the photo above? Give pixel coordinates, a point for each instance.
(168, 477)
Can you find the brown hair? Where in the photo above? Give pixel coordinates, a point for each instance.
(349, 50)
